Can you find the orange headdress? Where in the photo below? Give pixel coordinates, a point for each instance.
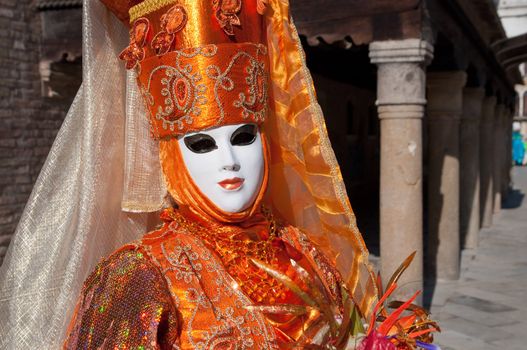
(202, 64)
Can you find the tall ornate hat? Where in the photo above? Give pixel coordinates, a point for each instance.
(200, 64)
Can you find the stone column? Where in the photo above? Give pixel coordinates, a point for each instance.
(401, 78)
(499, 154)
(469, 158)
(445, 106)
(523, 128)
(507, 132)
(486, 161)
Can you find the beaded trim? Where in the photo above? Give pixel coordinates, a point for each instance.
(147, 7)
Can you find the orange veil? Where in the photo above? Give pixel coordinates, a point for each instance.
(306, 185)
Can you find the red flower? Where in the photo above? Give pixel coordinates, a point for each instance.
(376, 341)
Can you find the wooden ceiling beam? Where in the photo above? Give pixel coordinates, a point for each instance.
(365, 29)
(326, 10)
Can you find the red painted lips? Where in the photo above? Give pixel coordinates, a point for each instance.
(232, 184)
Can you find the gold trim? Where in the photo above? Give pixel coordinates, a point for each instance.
(136, 207)
(147, 7)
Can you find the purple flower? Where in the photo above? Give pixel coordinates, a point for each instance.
(427, 346)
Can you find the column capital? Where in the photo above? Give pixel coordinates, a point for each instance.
(401, 73)
(449, 81)
(445, 94)
(401, 51)
(488, 109)
(472, 103)
(499, 112)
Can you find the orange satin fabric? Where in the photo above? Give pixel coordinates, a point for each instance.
(183, 189)
(228, 242)
(170, 288)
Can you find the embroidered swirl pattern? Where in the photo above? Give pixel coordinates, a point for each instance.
(193, 89)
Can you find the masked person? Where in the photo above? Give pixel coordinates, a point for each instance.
(239, 143)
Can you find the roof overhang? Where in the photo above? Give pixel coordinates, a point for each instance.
(511, 52)
(357, 21)
(46, 5)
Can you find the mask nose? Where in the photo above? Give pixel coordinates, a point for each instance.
(234, 167)
(229, 161)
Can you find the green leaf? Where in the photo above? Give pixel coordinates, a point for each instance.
(357, 327)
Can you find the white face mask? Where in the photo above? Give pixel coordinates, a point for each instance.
(226, 164)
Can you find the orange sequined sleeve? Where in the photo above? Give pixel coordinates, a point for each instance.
(125, 304)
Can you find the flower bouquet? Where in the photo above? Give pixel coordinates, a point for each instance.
(393, 325)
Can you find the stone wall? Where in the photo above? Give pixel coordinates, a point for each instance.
(28, 121)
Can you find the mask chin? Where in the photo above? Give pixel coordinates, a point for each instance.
(218, 172)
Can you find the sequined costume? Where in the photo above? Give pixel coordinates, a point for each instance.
(172, 289)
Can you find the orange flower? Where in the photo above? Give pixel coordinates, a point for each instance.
(227, 14)
(135, 52)
(231, 7)
(172, 22)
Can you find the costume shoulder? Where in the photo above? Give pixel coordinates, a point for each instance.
(125, 303)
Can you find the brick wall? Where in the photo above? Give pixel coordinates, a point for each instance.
(28, 121)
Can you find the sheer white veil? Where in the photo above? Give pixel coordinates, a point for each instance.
(75, 215)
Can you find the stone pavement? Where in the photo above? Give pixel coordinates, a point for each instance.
(486, 309)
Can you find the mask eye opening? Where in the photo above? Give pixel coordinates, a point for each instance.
(200, 143)
(244, 135)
